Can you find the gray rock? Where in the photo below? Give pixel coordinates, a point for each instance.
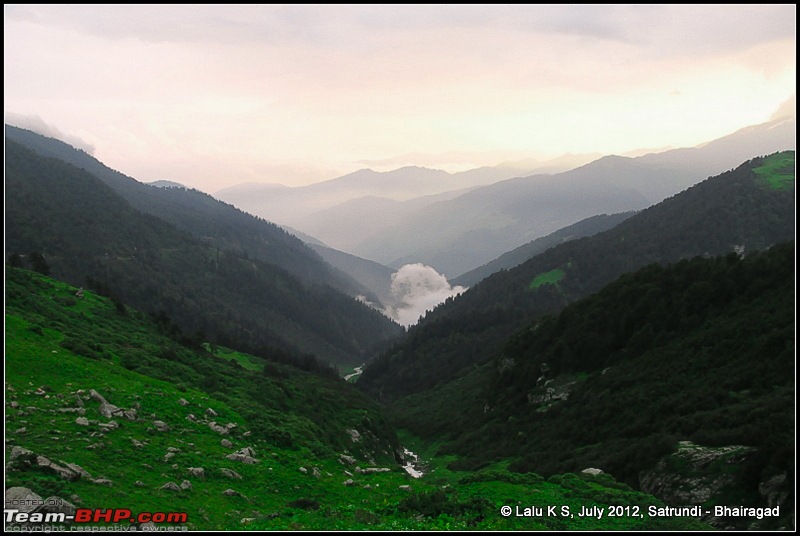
(21, 430)
(355, 437)
(136, 443)
(231, 493)
(217, 428)
(349, 482)
(80, 411)
(226, 443)
(173, 449)
(83, 421)
(191, 418)
(772, 490)
(592, 471)
(106, 409)
(239, 457)
(703, 473)
(139, 484)
(22, 499)
(103, 482)
(404, 487)
(18, 453)
(108, 426)
(347, 460)
(230, 473)
(183, 402)
(303, 470)
(315, 472)
(79, 470)
(170, 486)
(247, 520)
(197, 472)
(186, 485)
(63, 472)
(168, 456)
(161, 426)
(211, 413)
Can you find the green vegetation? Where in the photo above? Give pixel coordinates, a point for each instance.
(702, 350)
(90, 236)
(548, 278)
(777, 171)
(215, 223)
(290, 418)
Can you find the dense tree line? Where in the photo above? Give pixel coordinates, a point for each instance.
(215, 223)
(701, 350)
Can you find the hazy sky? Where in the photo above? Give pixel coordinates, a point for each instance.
(212, 96)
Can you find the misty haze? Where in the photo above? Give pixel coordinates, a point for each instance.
(400, 268)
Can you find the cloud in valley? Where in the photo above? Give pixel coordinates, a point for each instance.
(418, 288)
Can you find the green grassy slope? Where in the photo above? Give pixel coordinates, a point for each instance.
(59, 347)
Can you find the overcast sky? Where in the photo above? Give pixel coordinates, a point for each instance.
(211, 96)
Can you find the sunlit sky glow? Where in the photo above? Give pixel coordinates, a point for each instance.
(212, 96)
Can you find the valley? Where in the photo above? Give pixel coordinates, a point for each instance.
(164, 348)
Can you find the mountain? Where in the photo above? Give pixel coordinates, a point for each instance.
(215, 223)
(293, 205)
(749, 208)
(376, 278)
(229, 440)
(677, 380)
(89, 235)
(459, 235)
(515, 257)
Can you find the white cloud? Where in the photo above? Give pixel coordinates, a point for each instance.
(37, 124)
(418, 288)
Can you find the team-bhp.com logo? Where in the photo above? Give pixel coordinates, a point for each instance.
(94, 515)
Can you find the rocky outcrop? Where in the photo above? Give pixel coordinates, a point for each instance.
(161, 426)
(26, 501)
(774, 490)
(217, 428)
(22, 499)
(244, 455)
(109, 410)
(344, 459)
(197, 472)
(695, 474)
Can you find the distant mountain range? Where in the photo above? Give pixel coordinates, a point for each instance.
(458, 222)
